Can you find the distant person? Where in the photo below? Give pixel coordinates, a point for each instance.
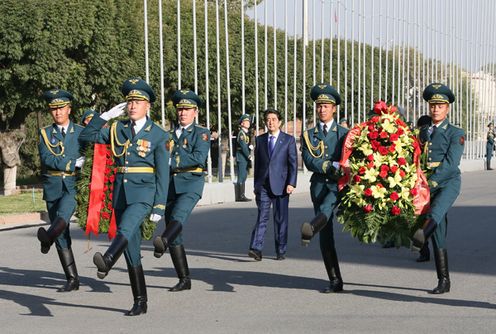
(443, 144)
(489, 145)
(344, 123)
(321, 151)
(61, 158)
(276, 170)
(243, 157)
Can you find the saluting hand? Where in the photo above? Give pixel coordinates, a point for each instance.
(114, 112)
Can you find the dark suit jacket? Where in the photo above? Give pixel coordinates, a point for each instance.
(279, 170)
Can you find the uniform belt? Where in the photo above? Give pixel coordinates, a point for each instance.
(60, 173)
(135, 170)
(433, 164)
(188, 170)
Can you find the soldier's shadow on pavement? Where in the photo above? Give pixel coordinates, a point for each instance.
(439, 300)
(36, 303)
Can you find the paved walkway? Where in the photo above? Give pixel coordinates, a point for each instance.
(385, 289)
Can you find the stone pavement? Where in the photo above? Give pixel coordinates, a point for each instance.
(385, 289)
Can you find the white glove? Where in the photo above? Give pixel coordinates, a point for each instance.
(155, 218)
(79, 162)
(335, 164)
(250, 157)
(250, 147)
(114, 112)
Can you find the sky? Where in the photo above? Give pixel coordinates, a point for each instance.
(458, 31)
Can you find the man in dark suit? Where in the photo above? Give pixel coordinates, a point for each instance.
(275, 179)
(60, 153)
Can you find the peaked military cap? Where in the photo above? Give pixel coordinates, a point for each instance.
(137, 89)
(57, 98)
(244, 117)
(87, 116)
(185, 99)
(325, 93)
(438, 93)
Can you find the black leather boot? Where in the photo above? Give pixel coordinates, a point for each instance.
(236, 192)
(422, 234)
(489, 165)
(48, 237)
(332, 267)
(424, 253)
(161, 243)
(178, 256)
(138, 286)
(105, 262)
(443, 280)
(309, 230)
(69, 265)
(242, 197)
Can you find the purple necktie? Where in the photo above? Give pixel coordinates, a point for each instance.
(272, 143)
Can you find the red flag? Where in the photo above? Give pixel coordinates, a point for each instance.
(95, 203)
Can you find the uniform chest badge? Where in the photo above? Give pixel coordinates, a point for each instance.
(462, 140)
(53, 140)
(205, 137)
(144, 146)
(169, 146)
(185, 143)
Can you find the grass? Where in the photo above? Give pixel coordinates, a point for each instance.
(22, 203)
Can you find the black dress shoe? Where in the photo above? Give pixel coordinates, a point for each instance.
(255, 254)
(334, 286)
(280, 257)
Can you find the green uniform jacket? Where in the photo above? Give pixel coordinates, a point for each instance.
(147, 149)
(242, 147)
(53, 159)
(320, 163)
(189, 152)
(443, 152)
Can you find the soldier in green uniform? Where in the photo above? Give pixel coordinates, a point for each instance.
(140, 188)
(189, 144)
(61, 157)
(443, 147)
(489, 145)
(321, 151)
(243, 157)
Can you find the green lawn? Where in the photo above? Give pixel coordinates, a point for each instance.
(25, 202)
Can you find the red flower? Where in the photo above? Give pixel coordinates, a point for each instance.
(370, 157)
(367, 192)
(370, 165)
(401, 161)
(400, 122)
(392, 148)
(383, 135)
(383, 174)
(375, 119)
(394, 137)
(385, 168)
(105, 215)
(373, 135)
(110, 196)
(107, 170)
(379, 107)
(402, 173)
(375, 144)
(105, 188)
(414, 191)
(367, 208)
(400, 131)
(379, 185)
(392, 109)
(112, 178)
(383, 150)
(109, 205)
(115, 170)
(394, 168)
(362, 170)
(394, 196)
(395, 211)
(371, 127)
(357, 178)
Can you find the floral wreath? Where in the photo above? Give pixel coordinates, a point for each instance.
(384, 190)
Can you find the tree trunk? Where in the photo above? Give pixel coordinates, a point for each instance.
(10, 142)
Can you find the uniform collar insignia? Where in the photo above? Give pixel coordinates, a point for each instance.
(71, 130)
(316, 130)
(126, 125)
(148, 128)
(54, 131)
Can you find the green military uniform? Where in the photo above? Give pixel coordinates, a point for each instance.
(320, 149)
(188, 151)
(489, 145)
(140, 186)
(59, 149)
(443, 149)
(243, 159)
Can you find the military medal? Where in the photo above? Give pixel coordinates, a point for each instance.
(143, 147)
(185, 143)
(205, 137)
